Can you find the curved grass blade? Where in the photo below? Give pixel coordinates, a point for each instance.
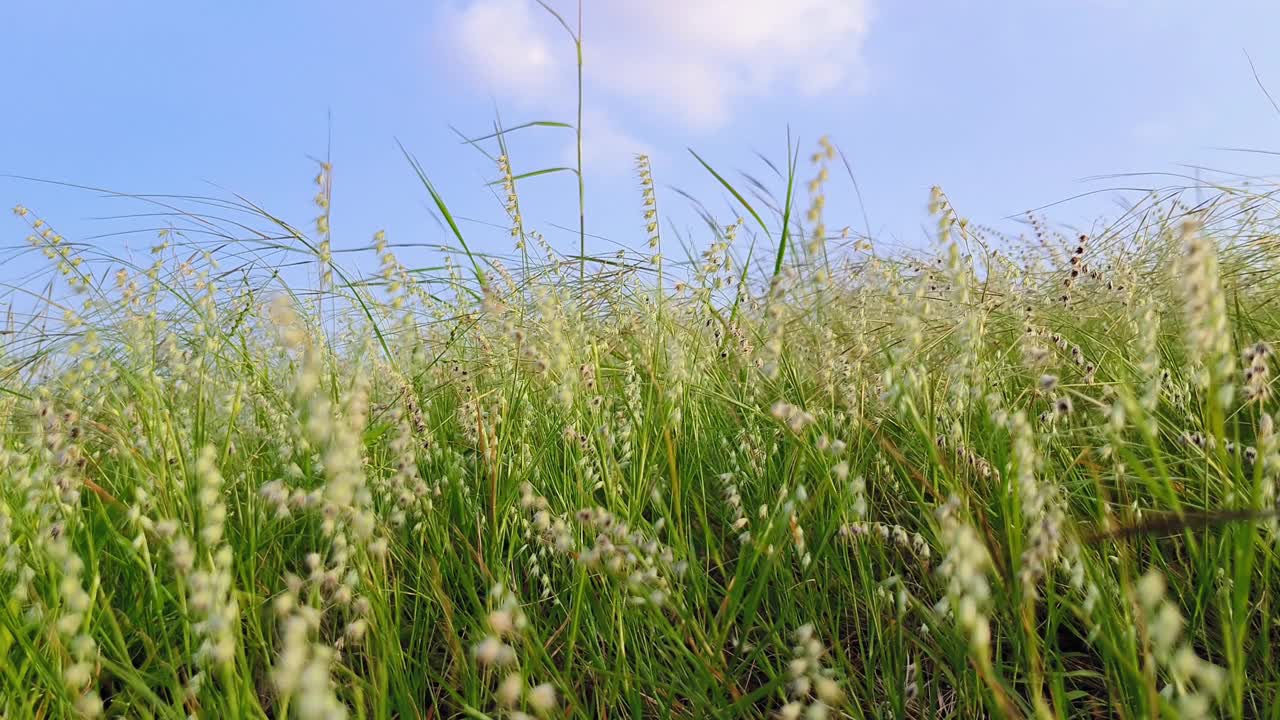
(508, 131)
(536, 173)
(444, 210)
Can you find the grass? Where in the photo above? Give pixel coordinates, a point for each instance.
(1007, 478)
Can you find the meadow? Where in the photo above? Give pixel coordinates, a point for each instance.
(794, 476)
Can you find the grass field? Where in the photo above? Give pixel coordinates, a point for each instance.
(796, 477)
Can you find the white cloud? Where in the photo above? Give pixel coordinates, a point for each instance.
(698, 61)
(701, 58)
(503, 46)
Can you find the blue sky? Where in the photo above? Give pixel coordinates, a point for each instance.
(1006, 105)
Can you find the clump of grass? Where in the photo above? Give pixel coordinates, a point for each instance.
(859, 485)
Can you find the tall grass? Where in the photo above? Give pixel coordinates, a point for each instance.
(1007, 478)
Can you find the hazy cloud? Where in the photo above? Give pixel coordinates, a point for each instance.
(503, 46)
(693, 60)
